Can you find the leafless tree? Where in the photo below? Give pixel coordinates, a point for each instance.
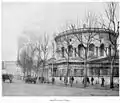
(44, 51)
(85, 39)
(38, 59)
(25, 58)
(67, 49)
(112, 25)
(53, 56)
(22, 61)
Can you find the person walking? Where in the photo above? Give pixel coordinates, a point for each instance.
(65, 80)
(83, 81)
(92, 79)
(71, 81)
(60, 78)
(88, 81)
(102, 82)
(53, 80)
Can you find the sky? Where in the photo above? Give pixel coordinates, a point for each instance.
(36, 19)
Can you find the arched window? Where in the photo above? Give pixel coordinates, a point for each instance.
(91, 49)
(70, 50)
(62, 49)
(80, 49)
(75, 52)
(102, 50)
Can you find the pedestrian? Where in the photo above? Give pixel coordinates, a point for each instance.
(42, 79)
(71, 80)
(83, 81)
(88, 81)
(65, 80)
(53, 80)
(102, 82)
(39, 79)
(60, 78)
(92, 79)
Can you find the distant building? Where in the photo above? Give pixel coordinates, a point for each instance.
(3, 65)
(9, 67)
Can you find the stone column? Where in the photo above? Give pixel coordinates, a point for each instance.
(98, 51)
(101, 72)
(88, 70)
(107, 51)
(74, 52)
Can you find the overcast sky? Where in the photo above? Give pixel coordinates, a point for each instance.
(39, 18)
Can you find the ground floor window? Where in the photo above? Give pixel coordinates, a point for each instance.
(94, 71)
(116, 72)
(99, 71)
(78, 72)
(105, 71)
(54, 72)
(64, 71)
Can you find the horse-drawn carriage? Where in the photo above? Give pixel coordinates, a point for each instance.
(30, 79)
(7, 77)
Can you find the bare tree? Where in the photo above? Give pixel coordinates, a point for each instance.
(25, 58)
(21, 41)
(86, 39)
(53, 56)
(37, 55)
(113, 26)
(25, 53)
(44, 51)
(66, 48)
(22, 61)
(30, 55)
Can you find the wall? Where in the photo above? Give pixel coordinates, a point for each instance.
(11, 67)
(79, 80)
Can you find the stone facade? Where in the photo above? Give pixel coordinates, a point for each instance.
(76, 64)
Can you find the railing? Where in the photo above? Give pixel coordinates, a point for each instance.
(82, 30)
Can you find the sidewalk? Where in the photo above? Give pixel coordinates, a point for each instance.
(80, 85)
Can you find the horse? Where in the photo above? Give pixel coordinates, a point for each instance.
(7, 77)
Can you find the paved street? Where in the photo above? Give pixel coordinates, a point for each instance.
(19, 88)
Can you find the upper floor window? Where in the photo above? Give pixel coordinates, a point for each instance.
(80, 49)
(102, 50)
(70, 50)
(62, 49)
(91, 49)
(75, 51)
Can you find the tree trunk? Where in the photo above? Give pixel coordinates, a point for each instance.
(111, 75)
(43, 73)
(52, 69)
(85, 69)
(66, 77)
(24, 76)
(112, 66)
(85, 74)
(37, 76)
